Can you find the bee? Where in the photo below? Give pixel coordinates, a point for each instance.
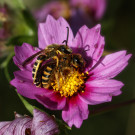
(71, 61)
(50, 71)
(52, 62)
(50, 53)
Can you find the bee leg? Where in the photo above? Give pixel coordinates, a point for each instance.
(57, 60)
(29, 59)
(36, 74)
(57, 79)
(58, 52)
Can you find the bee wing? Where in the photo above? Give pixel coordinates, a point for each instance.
(29, 59)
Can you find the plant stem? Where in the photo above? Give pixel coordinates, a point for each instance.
(5, 66)
(111, 107)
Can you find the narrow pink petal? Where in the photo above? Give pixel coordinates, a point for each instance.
(111, 65)
(24, 76)
(104, 86)
(43, 124)
(95, 98)
(53, 100)
(22, 53)
(116, 93)
(100, 91)
(75, 112)
(27, 89)
(53, 32)
(99, 48)
(90, 40)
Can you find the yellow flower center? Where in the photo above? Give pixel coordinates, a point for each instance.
(73, 83)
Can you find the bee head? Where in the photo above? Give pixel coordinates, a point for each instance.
(77, 61)
(65, 49)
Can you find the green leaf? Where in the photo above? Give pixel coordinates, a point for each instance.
(29, 19)
(19, 40)
(6, 61)
(63, 127)
(16, 4)
(5, 66)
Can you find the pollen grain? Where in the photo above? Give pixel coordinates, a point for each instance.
(73, 83)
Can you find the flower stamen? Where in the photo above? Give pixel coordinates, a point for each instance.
(73, 83)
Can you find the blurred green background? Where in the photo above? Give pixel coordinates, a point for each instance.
(118, 27)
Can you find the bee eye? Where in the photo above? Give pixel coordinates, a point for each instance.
(76, 60)
(64, 50)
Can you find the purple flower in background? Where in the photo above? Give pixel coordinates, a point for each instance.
(54, 8)
(3, 20)
(4, 31)
(40, 124)
(94, 7)
(79, 92)
(86, 12)
(3, 13)
(77, 12)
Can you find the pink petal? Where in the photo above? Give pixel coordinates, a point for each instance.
(75, 112)
(100, 91)
(53, 32)
(95, 98)
(92, 38)
(18, 126)
(111, 65)
(24, 85)
(43, 124)
(116, 93)
(4, 126)
(24, 76)
(22, 53)
(53, 100)
(22, 125)
(104, 86)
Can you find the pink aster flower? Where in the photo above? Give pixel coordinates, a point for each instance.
(40, 124)
(99, 87)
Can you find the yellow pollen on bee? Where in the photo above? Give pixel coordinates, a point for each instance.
(73, 83)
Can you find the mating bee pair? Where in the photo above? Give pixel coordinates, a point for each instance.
(53, 62)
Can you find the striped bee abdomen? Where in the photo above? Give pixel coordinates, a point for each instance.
(47, 73)
(36, 70)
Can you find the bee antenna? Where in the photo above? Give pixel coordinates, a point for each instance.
(66, 41)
